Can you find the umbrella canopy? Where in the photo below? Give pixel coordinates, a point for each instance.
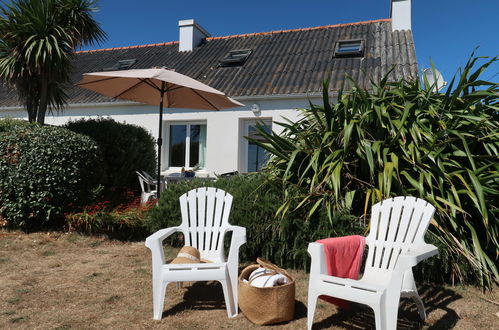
(161, 87)
(144, 85)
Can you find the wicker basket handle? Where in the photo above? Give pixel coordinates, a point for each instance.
(268, 265)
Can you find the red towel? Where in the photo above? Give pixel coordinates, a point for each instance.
(343, 259)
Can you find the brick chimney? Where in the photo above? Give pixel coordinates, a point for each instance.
(400, 13)
(190, 35)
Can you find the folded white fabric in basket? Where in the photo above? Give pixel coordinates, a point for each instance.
(266, 281)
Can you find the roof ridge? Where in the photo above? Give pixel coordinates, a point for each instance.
(301, 29)
(239, 35)
(126, 47)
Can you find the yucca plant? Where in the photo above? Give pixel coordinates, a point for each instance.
(403, 138)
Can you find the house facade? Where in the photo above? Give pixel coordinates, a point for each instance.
(272, 73)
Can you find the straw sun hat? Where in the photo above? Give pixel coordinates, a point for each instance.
(187, 255)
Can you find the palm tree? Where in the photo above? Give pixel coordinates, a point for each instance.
(37, 41)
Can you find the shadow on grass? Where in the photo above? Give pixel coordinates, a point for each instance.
(209, 296)
(362, 317)
(199, 296)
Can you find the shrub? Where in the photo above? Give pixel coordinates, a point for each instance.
(126, 148)
(44, 171)
(282, 240)
(123, 222)
(7, 124)
(402, 138)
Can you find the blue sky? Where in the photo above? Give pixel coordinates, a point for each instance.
(445, 30)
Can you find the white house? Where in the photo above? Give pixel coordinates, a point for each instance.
(272, 73)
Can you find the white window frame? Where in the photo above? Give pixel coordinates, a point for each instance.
(187, 143)
(246, 123)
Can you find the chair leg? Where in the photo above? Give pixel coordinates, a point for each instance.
(419, 303)
(233, 284)
(410, 290)
(312, 302)
(159, 292)
(378, 317)
(390, 315)
(229, 298)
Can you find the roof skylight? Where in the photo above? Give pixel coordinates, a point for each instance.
(122, 65)
(236, 57)
(349, 48)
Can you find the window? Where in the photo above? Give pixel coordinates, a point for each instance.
(187, 145)
(122, 65)
(349, 48)
(254, 156)
(236, 57)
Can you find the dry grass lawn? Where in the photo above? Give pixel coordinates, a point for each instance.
(65, 281)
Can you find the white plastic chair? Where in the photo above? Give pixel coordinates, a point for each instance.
(205, 215)
(396, 244)
(148, 188)
(154, 181)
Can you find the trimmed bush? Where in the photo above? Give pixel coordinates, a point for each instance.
(281, 240)
(126, 148)
(7, 124)
(44, 172)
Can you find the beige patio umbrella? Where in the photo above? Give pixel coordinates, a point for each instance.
(157, 86)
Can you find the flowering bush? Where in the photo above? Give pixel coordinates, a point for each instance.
(124, 221)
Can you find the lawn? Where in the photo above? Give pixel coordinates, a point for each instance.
(66, 280)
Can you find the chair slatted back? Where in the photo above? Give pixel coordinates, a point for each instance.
(397, 225)
(144, 183)
(205, 217)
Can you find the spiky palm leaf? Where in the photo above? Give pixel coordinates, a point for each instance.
(404, 139)
(37, 40)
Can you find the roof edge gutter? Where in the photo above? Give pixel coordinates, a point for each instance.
(79, 105)
(311, 95)
(281, 96)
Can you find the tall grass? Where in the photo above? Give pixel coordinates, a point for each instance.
(403, 138)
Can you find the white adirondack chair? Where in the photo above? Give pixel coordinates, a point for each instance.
(149, 188)
(154, 181)
(396, 244)
(205, 215)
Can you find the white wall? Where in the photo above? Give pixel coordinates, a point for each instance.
(224, 144)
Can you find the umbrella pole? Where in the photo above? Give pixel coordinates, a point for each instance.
(160, 140)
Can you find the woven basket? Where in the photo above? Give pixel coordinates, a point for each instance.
(267, 305)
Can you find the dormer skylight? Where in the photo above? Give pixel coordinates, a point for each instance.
(122, 65)
(349, 48)
(236, 57)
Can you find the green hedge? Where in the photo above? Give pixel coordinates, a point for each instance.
(44, 172)
(126, 148)
(7, 124)
(281, 240)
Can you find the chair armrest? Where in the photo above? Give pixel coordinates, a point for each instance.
(238, 238)
(318, 264)
(155, 243)
(412, 258)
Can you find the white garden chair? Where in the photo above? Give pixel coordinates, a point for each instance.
(205, 215)
(396, 244)
(148, 188)
(154, 181)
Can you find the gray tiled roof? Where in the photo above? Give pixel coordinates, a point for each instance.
(282, 62)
